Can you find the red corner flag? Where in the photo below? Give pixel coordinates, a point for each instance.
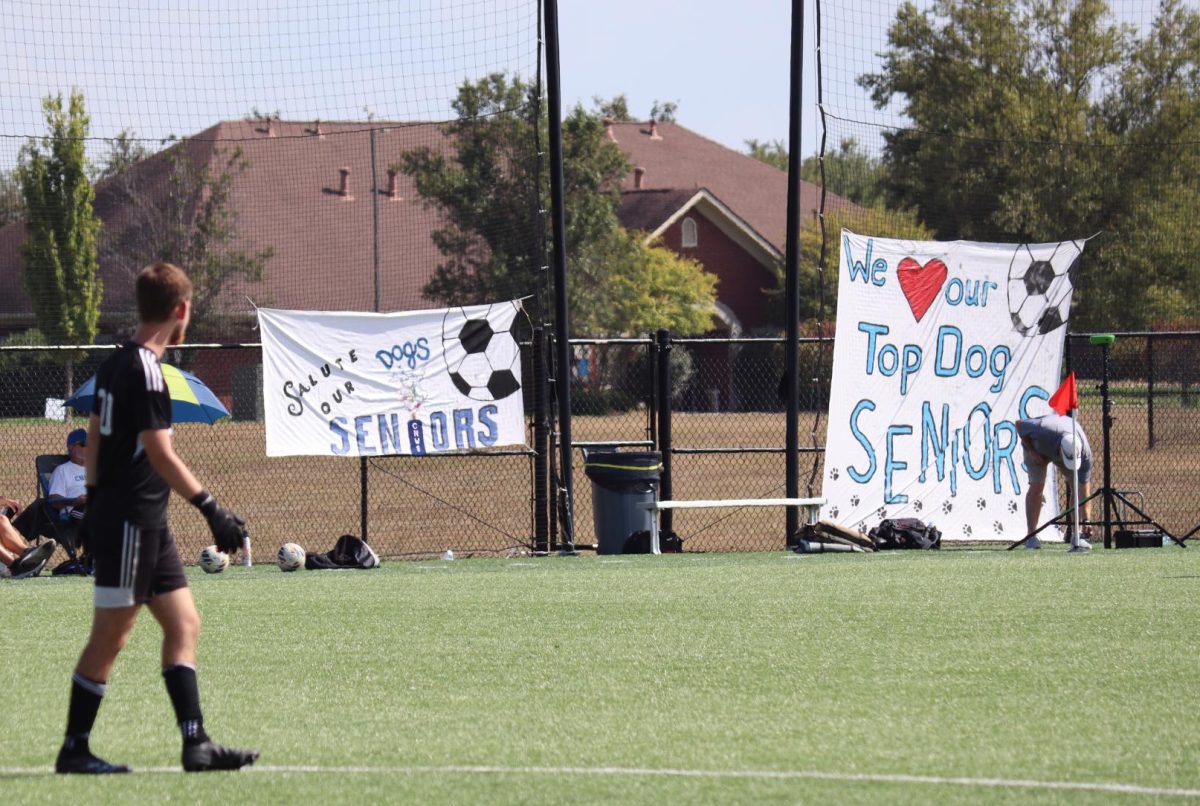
(1067, 396)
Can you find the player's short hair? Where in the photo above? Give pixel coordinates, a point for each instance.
(160, 288)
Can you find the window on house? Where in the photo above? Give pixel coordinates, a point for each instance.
(690, 236)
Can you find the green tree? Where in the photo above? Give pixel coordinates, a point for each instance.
(487, 187)
(59, 255)
(1039, 120)
(850, 172)
(662, 289)
(774, 153)
(124, 151)
(12, 206)
(615, 108)
(189, 220)
(664, 111)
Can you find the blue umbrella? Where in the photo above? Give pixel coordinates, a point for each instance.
(191, 400)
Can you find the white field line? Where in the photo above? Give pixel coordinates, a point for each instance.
(759, 775)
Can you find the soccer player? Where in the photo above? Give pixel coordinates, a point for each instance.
(131, 469)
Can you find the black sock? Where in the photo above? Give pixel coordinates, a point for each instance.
(81, 713)
(185, 696)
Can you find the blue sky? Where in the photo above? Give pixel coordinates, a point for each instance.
(163, 68)
(725, 63)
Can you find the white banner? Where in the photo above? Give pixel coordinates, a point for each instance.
(940, 348)
(369, 384)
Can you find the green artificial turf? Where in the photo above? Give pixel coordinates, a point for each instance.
(645, 679)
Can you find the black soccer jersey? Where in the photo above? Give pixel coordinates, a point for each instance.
(130, 397)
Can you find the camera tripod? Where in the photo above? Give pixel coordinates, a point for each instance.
(1117, 503)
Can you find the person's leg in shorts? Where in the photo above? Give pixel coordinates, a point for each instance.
(1034, 496)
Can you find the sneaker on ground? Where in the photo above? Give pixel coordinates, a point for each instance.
(84, 763)
(1033, 543)
(207, 756)
(1082, 545)
(33, 560)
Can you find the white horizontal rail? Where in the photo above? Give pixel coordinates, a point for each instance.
(736, 502)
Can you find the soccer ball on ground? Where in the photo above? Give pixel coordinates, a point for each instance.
(1039, 289)
(212, 560)
(482, 354)
(291, 557)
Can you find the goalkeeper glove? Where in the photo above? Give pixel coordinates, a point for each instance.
(228, 529)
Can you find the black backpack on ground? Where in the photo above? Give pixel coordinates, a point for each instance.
(905, 533)
(348, 552)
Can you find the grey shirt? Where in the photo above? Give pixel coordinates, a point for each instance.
(1047, 432)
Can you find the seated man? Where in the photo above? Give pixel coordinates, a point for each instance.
(17, 558)
(1055, 439)
(60, 513)
(68, 483)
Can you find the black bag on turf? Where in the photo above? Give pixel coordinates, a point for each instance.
(905, 533)
(348, 552)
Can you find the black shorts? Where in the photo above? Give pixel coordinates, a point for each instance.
(133, 564)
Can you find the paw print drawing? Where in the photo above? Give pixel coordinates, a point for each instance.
(833, 513)
(1012, 506)
(862, 526)
(967, 530)
(998, 527)
(834, 473)
(854, 499)
(981, 503)
(946, 507)
(917, 505)
(881, 512)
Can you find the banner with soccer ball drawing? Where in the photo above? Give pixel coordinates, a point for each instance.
(372, 384)
(940, 348)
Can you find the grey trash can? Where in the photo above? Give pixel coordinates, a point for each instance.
(622, 484)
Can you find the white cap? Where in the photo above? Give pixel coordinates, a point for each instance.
(1068, 453)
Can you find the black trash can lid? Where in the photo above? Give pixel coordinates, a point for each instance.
(628, 466)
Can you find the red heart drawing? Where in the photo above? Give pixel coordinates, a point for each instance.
(920, 284)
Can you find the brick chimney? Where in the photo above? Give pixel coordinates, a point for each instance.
(344, 184)
(654, 135)
(317, 130)
(270, 127)
(608, 129)
(639, 177)
(391, 192)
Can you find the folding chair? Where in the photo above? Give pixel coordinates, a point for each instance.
(47, 520)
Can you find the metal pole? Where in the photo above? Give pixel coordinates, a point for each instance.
(792, 274)
(375, 217)
(541, 445)
(1150, 392)
(667, 516)
(562, 324)
(362, 461)
(1106, 404)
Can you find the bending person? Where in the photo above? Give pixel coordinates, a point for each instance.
(1055, 439)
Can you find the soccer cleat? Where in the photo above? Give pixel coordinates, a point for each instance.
(209, 756)
(82, 762)
(33, 560)
(1033, 543)
(1082, 545)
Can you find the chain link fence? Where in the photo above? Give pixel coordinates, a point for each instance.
(728, 427)
(417, 507)
(1155, 434)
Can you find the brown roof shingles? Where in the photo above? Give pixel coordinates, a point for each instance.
(680, 159)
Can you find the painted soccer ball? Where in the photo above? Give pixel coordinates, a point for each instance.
(213, 561)
(482, 354)
(291, 556)
(1039, 289)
